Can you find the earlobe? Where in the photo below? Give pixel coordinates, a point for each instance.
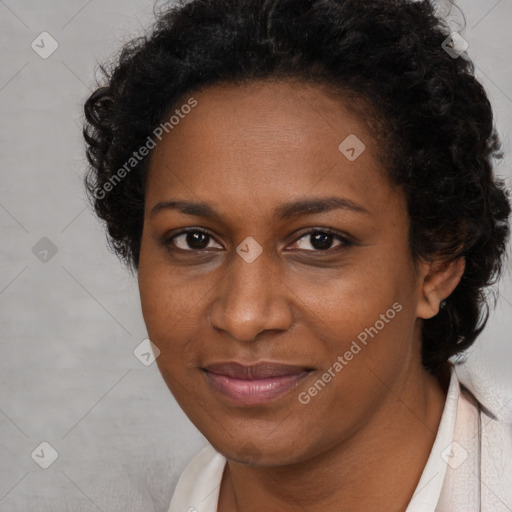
(439, 281)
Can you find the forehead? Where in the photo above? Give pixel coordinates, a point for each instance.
(263, 143)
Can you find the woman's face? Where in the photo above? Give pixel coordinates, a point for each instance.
(261, 287)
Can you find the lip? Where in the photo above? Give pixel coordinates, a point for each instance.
(254, 384)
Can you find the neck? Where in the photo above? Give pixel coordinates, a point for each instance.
(376, 468)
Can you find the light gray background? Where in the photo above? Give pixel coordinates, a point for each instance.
(69, 326)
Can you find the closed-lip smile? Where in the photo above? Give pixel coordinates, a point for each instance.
(254, 384)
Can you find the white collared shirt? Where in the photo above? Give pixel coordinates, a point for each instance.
(450, 482)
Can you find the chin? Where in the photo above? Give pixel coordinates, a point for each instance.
(261, 453)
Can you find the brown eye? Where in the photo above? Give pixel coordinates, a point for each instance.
(322, 240)
(190, 240)
(198, 240)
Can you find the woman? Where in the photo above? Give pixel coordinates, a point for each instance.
(305, 189)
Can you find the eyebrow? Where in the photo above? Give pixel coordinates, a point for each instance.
(282, 212)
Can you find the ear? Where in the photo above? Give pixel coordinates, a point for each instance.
(438, 280)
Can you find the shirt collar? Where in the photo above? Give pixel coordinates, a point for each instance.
(429, 487)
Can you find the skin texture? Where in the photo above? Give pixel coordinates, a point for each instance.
(364, 439)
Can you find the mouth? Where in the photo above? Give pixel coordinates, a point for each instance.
(254, 384)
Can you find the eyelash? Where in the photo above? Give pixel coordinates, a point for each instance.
(345, 242)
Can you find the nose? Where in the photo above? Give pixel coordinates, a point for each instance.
(251, 299)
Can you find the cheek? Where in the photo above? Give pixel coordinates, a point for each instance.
(174, 306)
(350, 300)
(166, 309)
(366, 317)
(159, 301)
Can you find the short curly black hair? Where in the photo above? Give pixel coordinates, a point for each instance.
(427, 105)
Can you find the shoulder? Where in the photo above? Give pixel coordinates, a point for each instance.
(494, 397)
(199, 485)
(494, 400)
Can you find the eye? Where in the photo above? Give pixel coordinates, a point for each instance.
(196, 239)
(321, 239)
